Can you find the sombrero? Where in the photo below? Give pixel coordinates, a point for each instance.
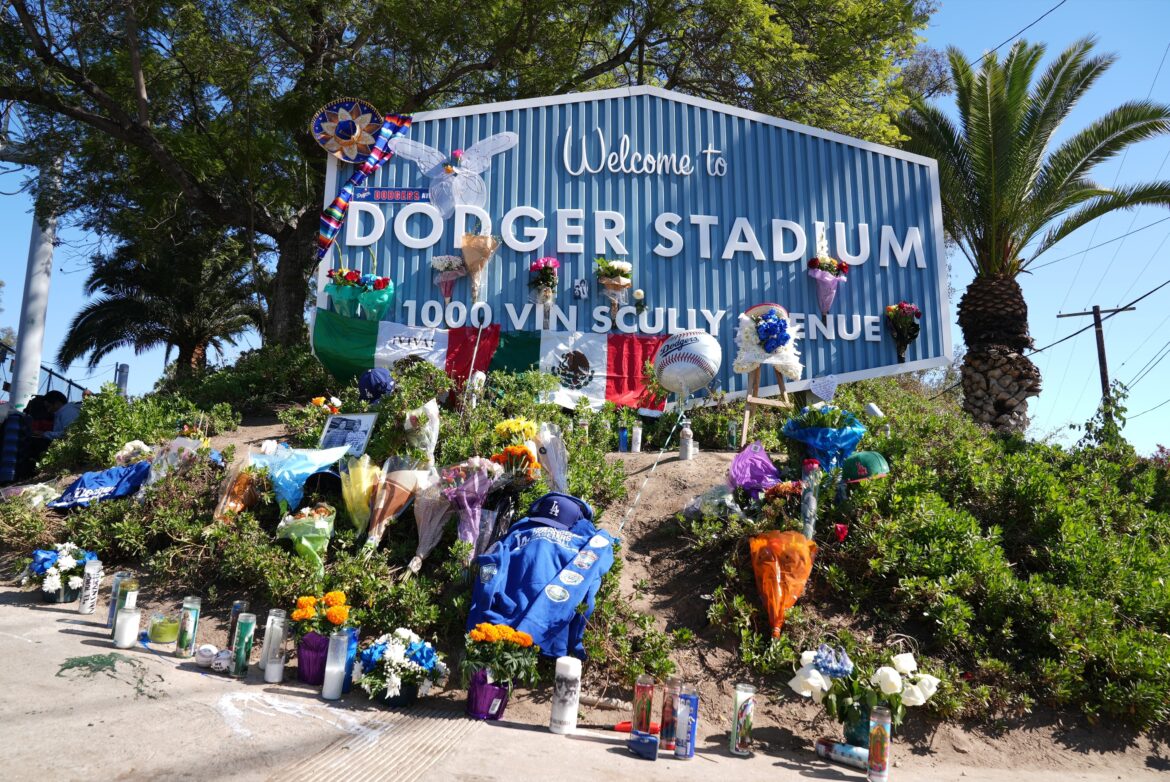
(346, 128)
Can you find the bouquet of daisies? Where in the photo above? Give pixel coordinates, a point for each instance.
(397, 659)
(57, 568)
(448, 269)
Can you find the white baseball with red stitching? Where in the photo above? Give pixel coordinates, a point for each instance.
(688, 361)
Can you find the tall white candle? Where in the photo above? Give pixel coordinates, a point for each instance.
(566, 695)
(335, 665)
(126, 627)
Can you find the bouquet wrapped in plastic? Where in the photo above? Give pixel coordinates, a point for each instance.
(289, 468)
(902, 321)
(431, 511)
(829, 274)
(554, 457)
(376, 297)
(544, 279)
(359, 483)
(309, 529)
(344, 289)
(240, 492)
(422, 429)
(133, 451)
(752, 470)
(448, 269)
(520, 464)
(614, 279)
(782, 562)
(395, 490)
(763, 338)
(478, 249)
(465, 486)
(829, 433)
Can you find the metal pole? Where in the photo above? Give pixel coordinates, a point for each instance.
(30, 330)
(122, 377)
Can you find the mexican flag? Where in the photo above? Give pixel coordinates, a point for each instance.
(599, 367)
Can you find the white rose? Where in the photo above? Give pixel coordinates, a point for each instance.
(808, 682)
(912, 696)
(335, 401)
(75, 582)
(904, 663)
(887, 679)
(639, 294)
(806, 658)
(928, 684)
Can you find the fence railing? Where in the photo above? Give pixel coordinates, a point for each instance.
(50, 379)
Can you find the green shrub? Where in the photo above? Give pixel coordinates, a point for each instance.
(24, 528)
(260, 381)
(108, 421)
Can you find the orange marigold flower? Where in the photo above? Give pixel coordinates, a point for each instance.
(319, 401)
(337, 614)
(523, 639)
(335, 598)
(476, 635)
(306, 603)
(298, 615)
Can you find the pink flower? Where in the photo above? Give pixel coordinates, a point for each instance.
(457, 154)
(553, 263)
(841, 530)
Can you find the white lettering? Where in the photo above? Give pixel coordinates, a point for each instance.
(584, 155)
(566, 321)
(405, 239)
(565, 230)
(913, 243)
(462, 211)
(535, 235)
(712, 319)
(704, 222)
(601, 320)
(826, 327)
(517, 320)
(742, 240)
(432, 314)
(842, 332)
(644, 321)
(873, 328)
(455, 314)
(664, 226)
(843, 246)
(353, 234)
(608, 228)
(778, 229)
(623, 160)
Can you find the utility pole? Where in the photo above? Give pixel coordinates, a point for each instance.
(1104, 367)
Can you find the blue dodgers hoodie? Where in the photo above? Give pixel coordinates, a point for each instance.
(535, 578)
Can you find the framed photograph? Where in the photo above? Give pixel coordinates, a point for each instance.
(353, 429)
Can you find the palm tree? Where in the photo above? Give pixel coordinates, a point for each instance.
(187, 293)
(1009, 194)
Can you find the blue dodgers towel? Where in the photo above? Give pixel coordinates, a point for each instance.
(105, 485)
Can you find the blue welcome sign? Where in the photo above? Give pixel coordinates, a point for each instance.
(716, 208)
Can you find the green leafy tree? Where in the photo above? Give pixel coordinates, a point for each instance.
(7, 335)
(185, 290)
(1010, 193)
(210, 99)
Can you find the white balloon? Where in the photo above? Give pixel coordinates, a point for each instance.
(688, 362)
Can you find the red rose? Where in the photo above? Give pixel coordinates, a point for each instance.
(380, 283)
(842, 531)
(352, 275)
(815, 263)
(842, 267)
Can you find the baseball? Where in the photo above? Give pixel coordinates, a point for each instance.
(688, 362)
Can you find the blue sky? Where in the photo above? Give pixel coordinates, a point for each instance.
(1137, 31)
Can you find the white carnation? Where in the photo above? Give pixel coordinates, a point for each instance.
(66, 562)
(52, 582)
(393, 686)
(75, 582)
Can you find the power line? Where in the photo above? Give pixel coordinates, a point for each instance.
(1150, 410)
(1067, 337)
(1157, 329)
(1141, 375)
(1094, 247)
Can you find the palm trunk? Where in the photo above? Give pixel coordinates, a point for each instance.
(997, 377)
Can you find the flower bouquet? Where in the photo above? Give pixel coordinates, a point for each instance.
(544, 279)
(466, 486)
(902, 321)
(242, 490)
(516, 431)
(310, 529)
(376, 295)
(478, 249)
(521, 466)
(395, 490)
(57, 571)
(614, 279)
(763, 338)
(782, 563)
(313, 620)
(359, 484)
(133, 452)
(829, 677)
(554, 457)
(497, 657)
(400, 667)
(448, 269)
(829, 273)
(431, 510)
(829, 433)
(422, 429)
(344, 289)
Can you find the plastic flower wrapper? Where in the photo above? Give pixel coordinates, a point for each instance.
(828, 274)
(615, 280)
(239, 493)
(830, 446)
(422, 429)
(395, 490)
(520, 464)
(359, 483)
(754, 337)
(431, 511)
(811, 479)
(344, 289)
(289, 468)
(310, 529)
(376, 299)
(179, 453)
(466, 486)
(544, 279)
(478, 249)
(902, 321)
(448, 269)
(554, 457)
(36, 494)
(718, 502)
(752, 470)
(782, 563)
(131, 452)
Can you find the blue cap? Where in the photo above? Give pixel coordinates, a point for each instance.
(560, 510)
(375, 383)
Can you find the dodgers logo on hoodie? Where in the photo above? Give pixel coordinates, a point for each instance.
(557, 594)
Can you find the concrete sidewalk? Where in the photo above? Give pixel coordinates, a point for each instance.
(75, 708)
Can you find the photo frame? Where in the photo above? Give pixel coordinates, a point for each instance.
(352, 429)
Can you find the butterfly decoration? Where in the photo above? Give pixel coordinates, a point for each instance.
(455, 179)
